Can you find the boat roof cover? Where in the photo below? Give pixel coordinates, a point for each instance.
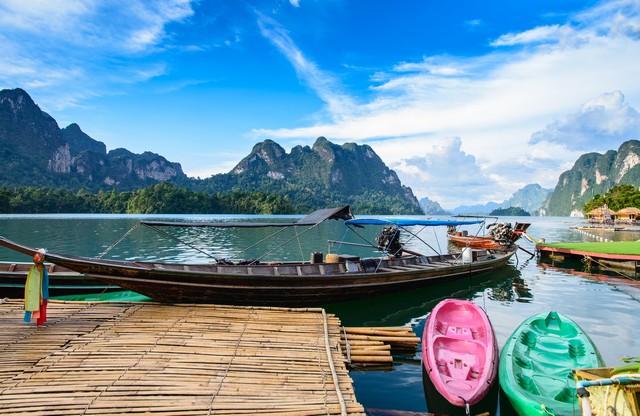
(316, 217)
(406, 222)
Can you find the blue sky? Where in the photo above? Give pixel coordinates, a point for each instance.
(467, 102)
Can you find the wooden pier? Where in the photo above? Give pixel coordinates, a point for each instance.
(134, 358)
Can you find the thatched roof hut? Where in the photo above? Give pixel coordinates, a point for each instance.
(600, 214)
(628, 214)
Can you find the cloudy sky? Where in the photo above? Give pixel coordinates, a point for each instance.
(467, 102)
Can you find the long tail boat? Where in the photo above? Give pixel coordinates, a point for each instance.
(321, 280)
(497, 235)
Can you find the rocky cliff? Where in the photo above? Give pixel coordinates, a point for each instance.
(34, 151)
(594, 173)
(322, 175)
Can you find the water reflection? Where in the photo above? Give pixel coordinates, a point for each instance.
(602, 304)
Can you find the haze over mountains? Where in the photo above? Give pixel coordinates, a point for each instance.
(36, 152)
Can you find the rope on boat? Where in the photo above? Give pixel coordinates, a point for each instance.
(336, 383)
(118, 241)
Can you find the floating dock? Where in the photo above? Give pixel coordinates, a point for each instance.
(147, 358)
(615, 254)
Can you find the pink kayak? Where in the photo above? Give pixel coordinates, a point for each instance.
(459, 352)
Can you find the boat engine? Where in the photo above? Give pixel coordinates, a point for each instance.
(501, 232)
(389, 240)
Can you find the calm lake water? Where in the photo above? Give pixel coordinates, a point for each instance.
(608, 309)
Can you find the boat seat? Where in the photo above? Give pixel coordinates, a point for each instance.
(528, 338)
(459, 366)
(527, 383)
(369, 265)
(459, 332)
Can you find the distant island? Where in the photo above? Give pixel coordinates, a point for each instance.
(510, 212)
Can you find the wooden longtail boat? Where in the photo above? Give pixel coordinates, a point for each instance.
(498, 235)
(319, 281)
(609, 391)
(62, 281)
(460, 354)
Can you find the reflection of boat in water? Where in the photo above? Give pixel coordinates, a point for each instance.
(318, 281)
(460, 355)
(497, 235)
(605, 276)
(62, 281)
(609, 391)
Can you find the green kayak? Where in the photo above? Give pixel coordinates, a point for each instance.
(536, 363)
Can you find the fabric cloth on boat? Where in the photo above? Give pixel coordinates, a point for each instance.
(36, 291)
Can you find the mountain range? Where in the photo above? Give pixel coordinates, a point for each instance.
(530, 198)
(35, 151)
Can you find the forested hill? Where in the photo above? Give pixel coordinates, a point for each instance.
(592, 174)
(36, 152)
(325, 174)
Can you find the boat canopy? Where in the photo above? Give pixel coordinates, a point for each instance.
(407, 222)
(316, 217)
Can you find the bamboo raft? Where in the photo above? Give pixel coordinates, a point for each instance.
(371, 346)
(116, 358)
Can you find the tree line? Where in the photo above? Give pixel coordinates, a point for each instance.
(162, 198)
(618, 197)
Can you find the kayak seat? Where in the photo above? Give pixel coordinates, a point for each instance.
(528, 338)
(566, 395)
(459, 366)
(577, 348)
(478, 332)
(441, 327)
(459, 332)
(527, 384)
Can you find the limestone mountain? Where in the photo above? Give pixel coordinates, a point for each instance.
(35, 151)
(323, 175)
(530, 198)
(431, 207)
(594, 173)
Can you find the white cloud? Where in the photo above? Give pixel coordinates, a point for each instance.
(493, 103)
(555, 33)
(78, 47)
(339, 105)
(601, 123)
(446, 173)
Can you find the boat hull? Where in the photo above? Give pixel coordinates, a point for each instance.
(620, 399)
(536, 364)
(459, 352)
(284, 284)
(473, 242)
(62, 281)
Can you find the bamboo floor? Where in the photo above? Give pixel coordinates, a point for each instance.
(146, 358)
